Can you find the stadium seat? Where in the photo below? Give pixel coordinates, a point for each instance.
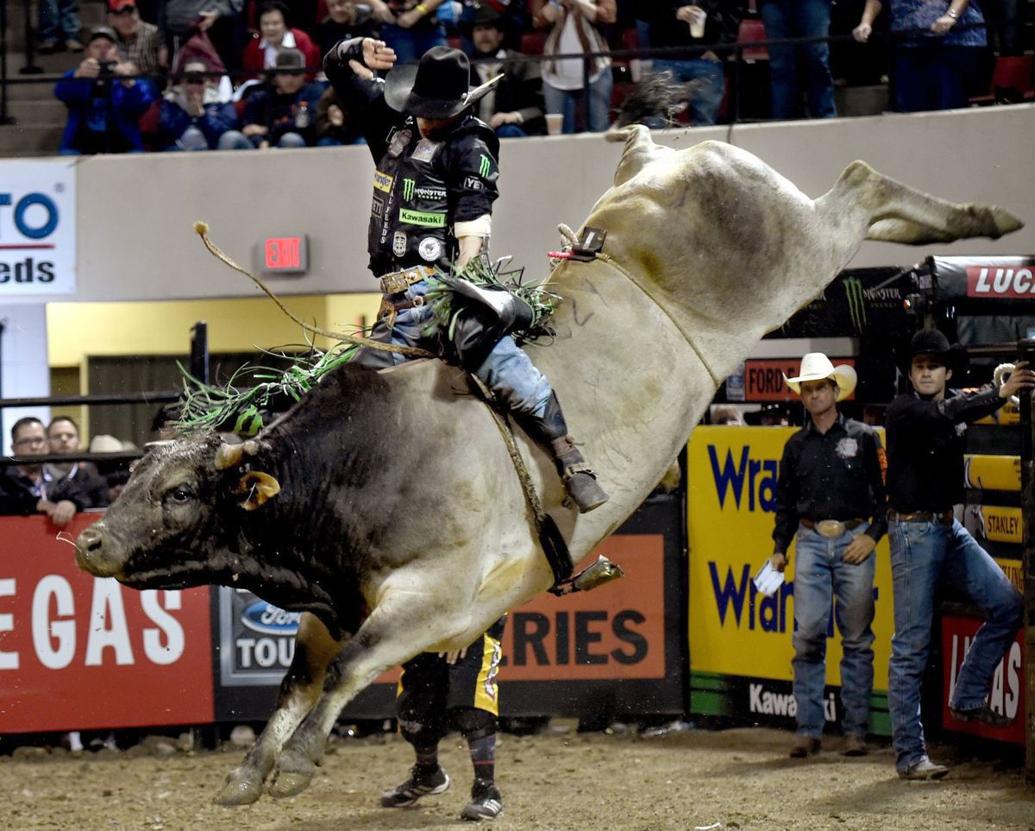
(752, 30)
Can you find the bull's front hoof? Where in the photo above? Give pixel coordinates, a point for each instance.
(293, 775)
(243, 786)
(1004, 222)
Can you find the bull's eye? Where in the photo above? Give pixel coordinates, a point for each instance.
(181, 494)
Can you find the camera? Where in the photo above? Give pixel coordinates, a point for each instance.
(107, 68)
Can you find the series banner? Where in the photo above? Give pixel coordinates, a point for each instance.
(80, 652)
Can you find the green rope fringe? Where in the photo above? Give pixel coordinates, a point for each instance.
(255, 392)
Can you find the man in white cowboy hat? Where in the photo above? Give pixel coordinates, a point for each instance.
(830, 495)
(925, 431)
(434, 187)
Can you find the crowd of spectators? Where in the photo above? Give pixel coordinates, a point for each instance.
(244, 74)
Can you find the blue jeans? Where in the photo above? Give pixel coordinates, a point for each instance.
(804, 19)
(820, 576)
(922, 555)
(410, 45)
(598, 117)
(934, 76)
(57, 20)
(507, 371)
(707, 83)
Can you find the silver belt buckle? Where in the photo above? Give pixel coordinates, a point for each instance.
(830, 528)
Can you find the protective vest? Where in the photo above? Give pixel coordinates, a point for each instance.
(422, 186)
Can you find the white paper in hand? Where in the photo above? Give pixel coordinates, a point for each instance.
(768, 580)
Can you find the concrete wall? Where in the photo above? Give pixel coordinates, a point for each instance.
(24, 372)
(135, 213)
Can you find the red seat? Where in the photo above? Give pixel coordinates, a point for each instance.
(752, 30)
(1015, 72)
(533, 43)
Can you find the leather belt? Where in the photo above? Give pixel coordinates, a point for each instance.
(940, 517)
(398, 281)
(831, 528)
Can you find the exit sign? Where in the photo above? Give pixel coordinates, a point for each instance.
(285, 255)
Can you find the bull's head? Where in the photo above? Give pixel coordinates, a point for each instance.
(174, 524)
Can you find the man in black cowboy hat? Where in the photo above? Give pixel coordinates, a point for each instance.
(515, 107)
(925, 480)
(434, 187)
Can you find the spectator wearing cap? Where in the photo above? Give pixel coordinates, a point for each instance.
(193, 116)
(348, 19)
(57, 26)
(275, 37)
(830, 496)
(679, 23)
(104, 100)
(930, 547)
(137, 42)
(514, 107)
(282, 113)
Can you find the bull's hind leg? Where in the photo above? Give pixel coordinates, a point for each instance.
(898, 213)
(299, 691)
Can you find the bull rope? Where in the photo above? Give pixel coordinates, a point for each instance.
(201, 229)
(527, 485)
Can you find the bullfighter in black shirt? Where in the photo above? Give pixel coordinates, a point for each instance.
(830, 494)
(925, 480)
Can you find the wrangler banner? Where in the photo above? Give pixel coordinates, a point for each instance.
(740, 641)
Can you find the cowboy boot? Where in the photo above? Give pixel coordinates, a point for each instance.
(551, 432)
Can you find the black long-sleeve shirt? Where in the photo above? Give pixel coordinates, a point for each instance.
(833, 475)
(925, 447)
(19, 495)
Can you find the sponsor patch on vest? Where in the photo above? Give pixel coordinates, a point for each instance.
(848, 448)
(431, 194)
(408, 187)
(473, 183)
(425, 150)
(377, 207)
(430, 249)
(429, 219)
(399, 244)
(398, 143)
(382, 181)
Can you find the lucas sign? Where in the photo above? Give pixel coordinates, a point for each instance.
(37, 228)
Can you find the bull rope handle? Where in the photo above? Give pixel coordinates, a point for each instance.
(201, 229)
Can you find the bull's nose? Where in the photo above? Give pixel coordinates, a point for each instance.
(89, 553)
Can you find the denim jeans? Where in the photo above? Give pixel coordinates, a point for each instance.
(934, 76)
(922, 555)
(57, 20)
(820, 576)
(707, 83)
(598, 117)
(410, 45)
(507, 371)
(805, 19)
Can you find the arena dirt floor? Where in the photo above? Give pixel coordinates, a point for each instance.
(690, 780)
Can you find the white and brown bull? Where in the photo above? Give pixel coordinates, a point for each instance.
(400, 523)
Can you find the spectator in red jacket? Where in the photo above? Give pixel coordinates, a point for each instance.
(274, 35)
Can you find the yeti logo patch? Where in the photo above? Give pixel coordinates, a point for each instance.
(399, 244)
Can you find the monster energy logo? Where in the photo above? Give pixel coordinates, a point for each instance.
(856, 302)
(408, 187)
(484, 166)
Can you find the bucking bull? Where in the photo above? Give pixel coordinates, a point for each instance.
(385, 505)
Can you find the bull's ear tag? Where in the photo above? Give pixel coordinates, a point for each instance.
(256, 487)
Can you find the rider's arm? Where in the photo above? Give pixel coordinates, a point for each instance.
(364, 98)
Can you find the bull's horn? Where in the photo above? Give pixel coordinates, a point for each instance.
(229, 456)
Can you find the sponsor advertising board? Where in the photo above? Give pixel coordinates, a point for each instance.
(763, 378)
(37, 228)
(1007, 694)
(79, 652)
(619, 646)
(740, 641)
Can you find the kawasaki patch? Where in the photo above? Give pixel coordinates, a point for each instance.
(429, 219)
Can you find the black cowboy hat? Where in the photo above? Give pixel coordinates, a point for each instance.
(932, 342)
(485, 16)
(438, 87)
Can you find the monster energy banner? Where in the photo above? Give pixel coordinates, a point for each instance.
(865, 301)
